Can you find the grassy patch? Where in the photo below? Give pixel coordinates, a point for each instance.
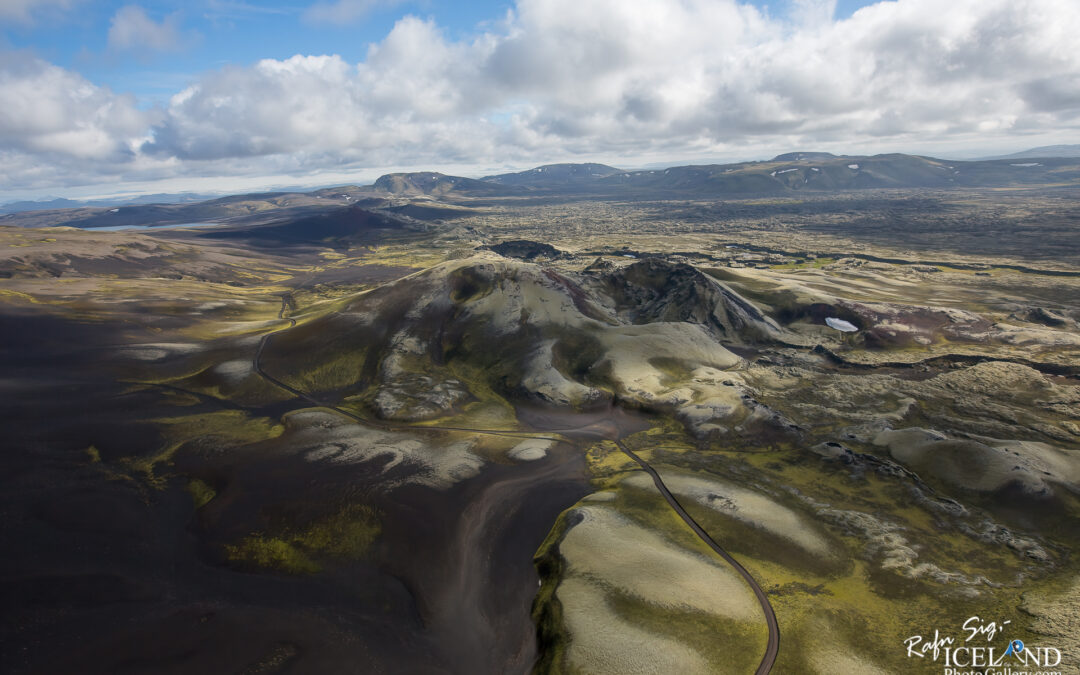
(271, 553)
(729, 646)
(547, 611)
(17, 295)
(607, 463)
(406, 256)
(226, 428)
(858, 608)
(201, 492)
(348, 533)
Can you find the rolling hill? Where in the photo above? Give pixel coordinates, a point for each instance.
(339, 227)
(435, 184)
(555, 175)
(1042, 152)
(820, 171)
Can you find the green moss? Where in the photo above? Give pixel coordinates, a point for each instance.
(228, 428)
(407, 255)
(857, 607)
(467, 284)
(743, 539)
(607, 463)
(337, 371)
(490, 404)
(729, 646)
(575, 353)
(714, 637)
(673, 371)
(201, 492)
(348, 533)
(271, 553)
(547, 611)
(94, 454)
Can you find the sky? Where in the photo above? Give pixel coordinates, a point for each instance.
(105, 98)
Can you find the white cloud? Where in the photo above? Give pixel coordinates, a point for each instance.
(49, 111)
(812, 13)
(131, 28)
(562, 78)
(58, 129)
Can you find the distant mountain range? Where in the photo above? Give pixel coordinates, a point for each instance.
(555, 174)
(428, 195)
(801, 170)
(240, 209)
(1044, 151)
(794, 171)
(62, 203)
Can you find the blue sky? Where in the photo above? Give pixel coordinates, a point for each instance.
(153, 96)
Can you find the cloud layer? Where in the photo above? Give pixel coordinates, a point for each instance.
(564, 78)
(132, 29)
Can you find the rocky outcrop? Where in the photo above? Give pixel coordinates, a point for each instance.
(655, 289)
(525, 249)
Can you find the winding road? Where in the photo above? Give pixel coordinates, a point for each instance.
(772, 648)
(773, 645)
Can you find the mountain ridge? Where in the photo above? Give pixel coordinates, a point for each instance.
(555, 174)
(787, 172)
(427, 195)
(1041, 152)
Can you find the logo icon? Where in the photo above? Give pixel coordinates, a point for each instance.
(1015, 647)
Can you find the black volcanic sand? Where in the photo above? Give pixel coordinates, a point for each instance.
(461, 557)
(601, 422)
(466, 555)
(339, 227)
(103, 573)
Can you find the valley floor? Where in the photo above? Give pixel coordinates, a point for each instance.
(398, 450)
